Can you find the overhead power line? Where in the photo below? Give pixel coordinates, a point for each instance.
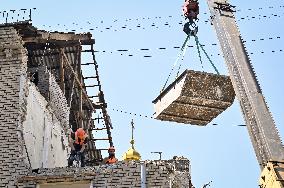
(123, 51)
(151, 117)
(171, 16)
(260, 8)
(261, 17)
(158, 25)
(177, 47)
(250, 53)
(133, 114)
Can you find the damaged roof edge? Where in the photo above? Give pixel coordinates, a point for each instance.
(31, 34)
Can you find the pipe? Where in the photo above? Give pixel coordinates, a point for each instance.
(143, 175)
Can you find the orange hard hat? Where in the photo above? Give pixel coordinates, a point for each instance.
(80, 132)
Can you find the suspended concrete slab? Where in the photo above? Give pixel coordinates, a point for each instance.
(194, 98)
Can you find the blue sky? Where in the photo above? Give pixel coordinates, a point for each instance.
(222, 153)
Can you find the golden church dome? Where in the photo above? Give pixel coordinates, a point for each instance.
(131, 154)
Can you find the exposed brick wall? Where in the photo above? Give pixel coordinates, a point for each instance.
(163, 174)
(13, 63)
(58, 102)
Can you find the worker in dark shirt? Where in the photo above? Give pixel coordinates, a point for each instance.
(77, 142)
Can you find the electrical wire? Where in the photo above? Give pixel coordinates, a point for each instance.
(251, 53)
(133, 114)
(171, 16)
(260, 17)
(151, 117)
(13, 13)
(153, 24)
(123, 51)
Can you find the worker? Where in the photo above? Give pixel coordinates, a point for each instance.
(77, 142)
(111, 156)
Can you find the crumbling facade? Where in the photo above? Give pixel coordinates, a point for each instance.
(43, 97)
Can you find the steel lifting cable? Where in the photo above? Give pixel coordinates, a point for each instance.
(181, 60)
(211, 62)
(182, 52)
(198, 50)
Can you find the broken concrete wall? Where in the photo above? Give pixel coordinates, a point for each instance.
(13, 65)
(163, 173)
(49, 88)
(44, 135)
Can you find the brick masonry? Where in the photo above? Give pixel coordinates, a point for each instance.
(13, 65)
(14, 91)
(58, 102)
(164, 174)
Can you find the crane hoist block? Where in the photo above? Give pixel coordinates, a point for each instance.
(194, 98)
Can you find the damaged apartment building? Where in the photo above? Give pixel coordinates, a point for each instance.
(43, 96)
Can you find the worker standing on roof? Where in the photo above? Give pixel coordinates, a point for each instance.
(77, 142)
(111, 158)
(190, 11)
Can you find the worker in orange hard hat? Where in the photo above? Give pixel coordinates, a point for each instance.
(77, 142)
(111, 156)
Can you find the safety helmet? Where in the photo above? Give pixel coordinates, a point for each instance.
(80, 133)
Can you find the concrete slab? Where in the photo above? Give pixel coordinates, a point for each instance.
(194, 98)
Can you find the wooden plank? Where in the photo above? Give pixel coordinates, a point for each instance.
(61, 73)
(78, 82)
(44, 36)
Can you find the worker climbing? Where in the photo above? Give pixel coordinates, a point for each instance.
(190, 11)
(77, 142)
(111, 159)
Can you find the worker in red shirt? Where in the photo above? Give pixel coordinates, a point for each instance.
(77, 142)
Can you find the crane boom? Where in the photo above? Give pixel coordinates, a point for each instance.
(261, 127)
